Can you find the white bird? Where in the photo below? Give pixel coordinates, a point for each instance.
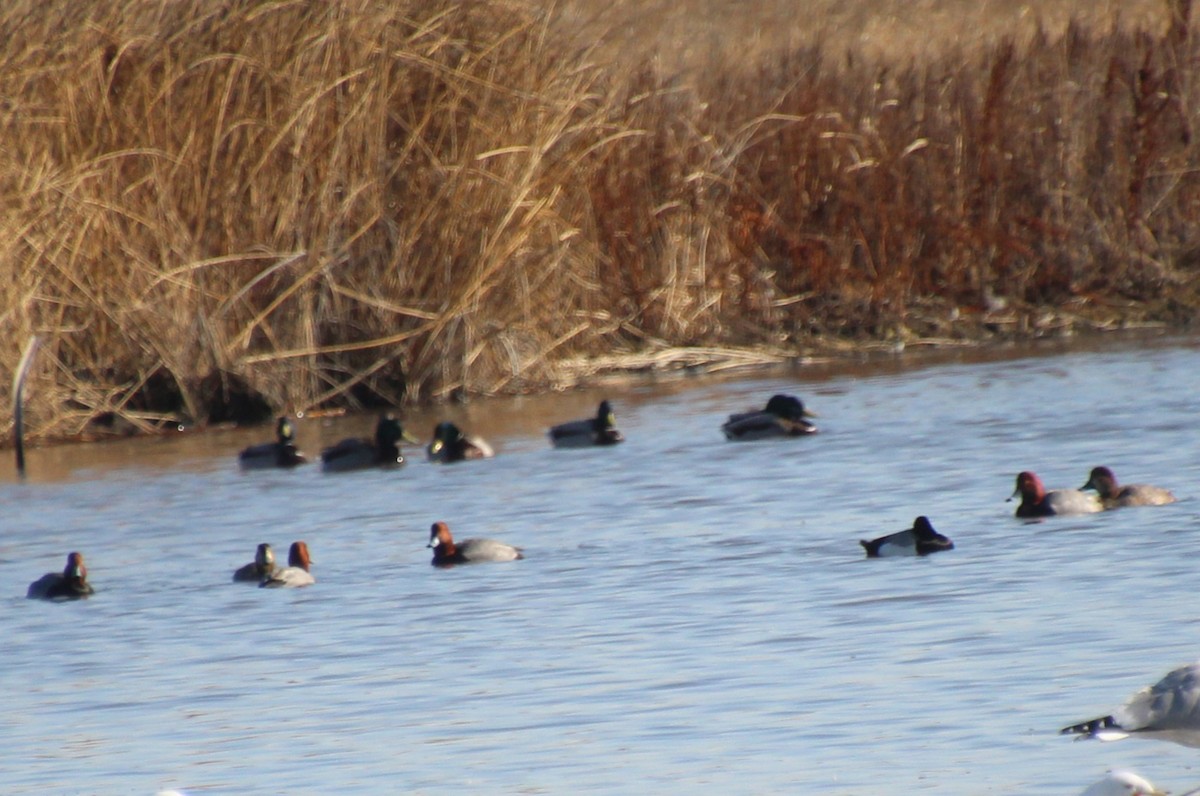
(1169, 710)
(1123, 783)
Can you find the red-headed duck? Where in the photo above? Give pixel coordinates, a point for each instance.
(1037, 502)
(920, 540)
(296, 573)
(783, 416)
(450, 444)
(70, 584)
(469, 551)
(598, 430)
(1123, 783)
(1114, 496)
(359, 454)
(280, 453)
(262, 567)
(1169, 710)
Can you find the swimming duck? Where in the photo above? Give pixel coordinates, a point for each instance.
(280, 453)
(920, 540)
(1037, 502)
(1123, 783)
(261, 568)
(783, 416)
(451, 445)
(357, 454)
(598, 430)
(1113, 496)
(70, 584)
(296, 573)
(469, 551)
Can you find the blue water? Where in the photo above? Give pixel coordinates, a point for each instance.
(692, 614)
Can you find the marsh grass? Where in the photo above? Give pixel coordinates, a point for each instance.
(223, 210)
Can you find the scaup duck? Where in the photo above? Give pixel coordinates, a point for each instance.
(358, 454)
(920, 540)
(280, 453)
(783, 416)
(598, 430)
(70, 584)
(447, 552)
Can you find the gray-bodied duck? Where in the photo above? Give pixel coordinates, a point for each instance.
(919, 540)
(598, 430)
(280, 453)
(783, 416)
(296, 573)
(70, 584)
(447, 552)
(262, 567)
(1037, 502)
(358, 454)
(1113, 495)
(450, 444)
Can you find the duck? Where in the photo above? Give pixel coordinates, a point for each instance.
(1169, 710)
(1123, 783)
(295, 574)
(783, 416)
(450, 444)
(70, 584)
(920, 540)
(1113, 496)
(447, 552)
(280, 453)
(359, 454)
(262, 567)
(598, 430)
(1037, 502)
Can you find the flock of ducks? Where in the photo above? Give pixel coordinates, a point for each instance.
(1169, 710)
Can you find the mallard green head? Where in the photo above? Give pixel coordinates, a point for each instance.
(605, 417)
(444, 434)
(389, 433)
(264, 557)
(285, 432)
(788, 407)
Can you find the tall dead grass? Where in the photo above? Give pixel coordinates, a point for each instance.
(226, 209)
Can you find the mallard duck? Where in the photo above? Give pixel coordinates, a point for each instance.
(783, 416)
(296, 573)
(598, 430)
(280, 453)
(261, 568)
(450, 444)
(920, 540)
(1169, 710)
(469, 551)
(357, 454)
(70, 584)
(1037, 502)
(1114, 496)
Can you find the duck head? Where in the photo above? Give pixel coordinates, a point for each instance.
(789, 407)
(298, 556)
(264, 558)
(75, 572)
(1029, 487)
(1102, 480)
(444, 434)
(439, 536)
(285, 432)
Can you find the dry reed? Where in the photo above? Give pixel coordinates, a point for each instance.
(222, 210)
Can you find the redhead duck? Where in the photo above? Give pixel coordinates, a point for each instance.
(296, 573)
(280, 453)
(469, 551)
(1037, 502)
(70, 584)
(1123, 783)
(783, 416)
(598, 430)
(920, 540)
(358, 454)
(1113, 496)
(1169, 710)
(450, 444)
(261, 568)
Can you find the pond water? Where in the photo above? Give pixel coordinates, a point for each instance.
(692, 613)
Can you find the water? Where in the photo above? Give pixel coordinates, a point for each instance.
(692, 614)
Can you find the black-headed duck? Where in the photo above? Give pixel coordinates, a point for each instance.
(919, 540)
(358, 454)
(280, 453)
(296, 573)
(447, 552)
(70, 584)
(1112, 495)
(783, 416)
(1037, 502)
(598, 430)
(450, 444)
(262, 567)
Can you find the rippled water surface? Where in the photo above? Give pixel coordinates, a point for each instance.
(692, 614)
